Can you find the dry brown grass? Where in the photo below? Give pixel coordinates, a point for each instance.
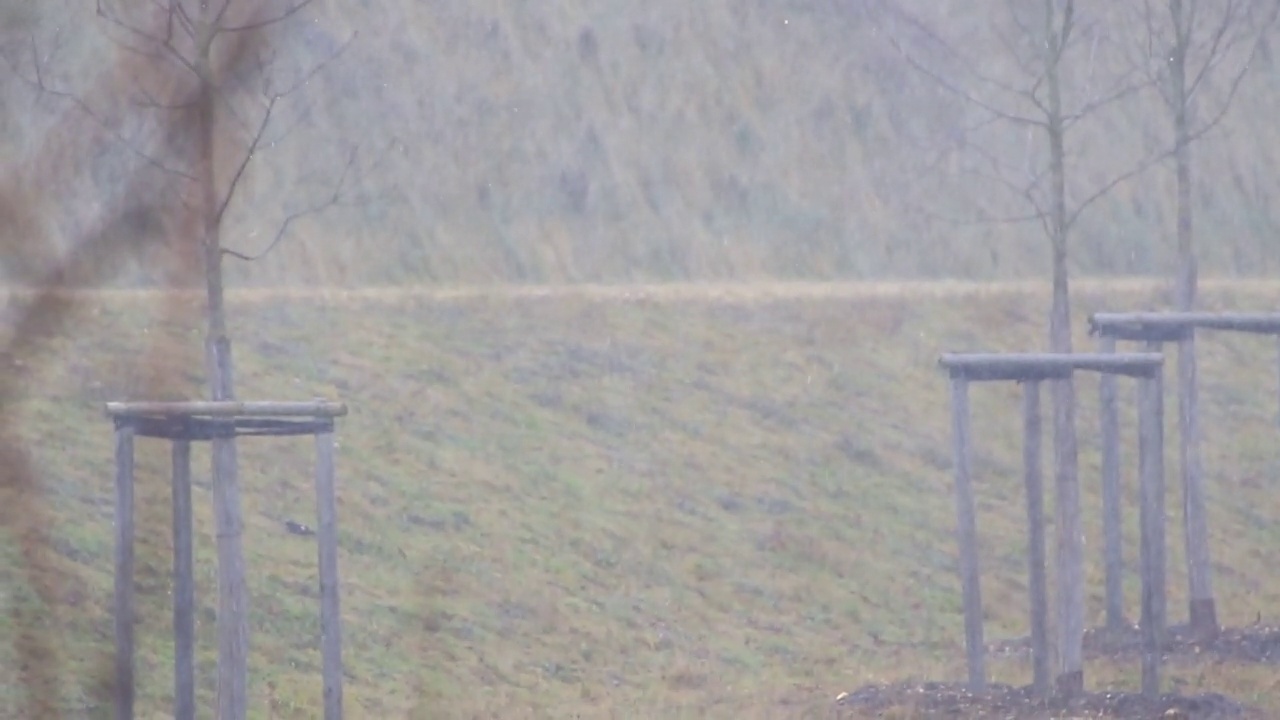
(697, 141)
(733, 291)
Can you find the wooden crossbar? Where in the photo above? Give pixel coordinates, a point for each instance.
(207, 408)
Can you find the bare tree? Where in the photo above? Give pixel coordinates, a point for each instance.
(1053, 86)
(1197, 54)
(180, 98)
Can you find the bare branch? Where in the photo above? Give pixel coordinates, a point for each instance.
(111, 18)
(1013, 6)
(291, 11)
(1068, 25)
(39, 84)
(1033, 178)
(1195, 8)
(984, 220)
(319, 67)
(150, 102)
(1025, 191)
(1120, 93)
(1148, 18)
(336, 198)
(1148, 163)
(949, 87)
(940, 154)
(184, 19)
(283, 132)
(1108, 187)
(222, 11)
(1031, 93)
(1216, 52)
(958, 59)
(1259, 33)
(333, 199)
(136, 40)
(1232, 28)
(245, 159)
(1010, 47)
(1223, 108)
(256, 141)
(1141, 59)
(163, 42)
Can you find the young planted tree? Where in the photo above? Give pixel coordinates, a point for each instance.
(192, 95)
(1045, 85)
(1197, 54)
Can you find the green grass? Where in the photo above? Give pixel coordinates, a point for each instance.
(572, 504)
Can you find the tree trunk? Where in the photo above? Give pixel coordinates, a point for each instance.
(1070, 540)
(233, 615)
(1203, 614)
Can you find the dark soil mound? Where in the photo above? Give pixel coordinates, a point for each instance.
(946, 700)
(1255, 643)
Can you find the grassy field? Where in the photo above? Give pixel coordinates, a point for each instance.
(690, 501)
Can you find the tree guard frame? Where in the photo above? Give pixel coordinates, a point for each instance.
(181, 423)
(1154, 329)
(1030, 369)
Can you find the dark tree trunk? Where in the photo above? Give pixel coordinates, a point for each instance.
(1203, 614)
(1070, 540)
(233, 612)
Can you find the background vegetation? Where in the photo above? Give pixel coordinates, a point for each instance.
(599, 141)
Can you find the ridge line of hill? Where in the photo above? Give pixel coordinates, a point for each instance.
(697, 291)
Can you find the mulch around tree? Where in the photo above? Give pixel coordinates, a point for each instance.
(1257, 643)
(954, 700)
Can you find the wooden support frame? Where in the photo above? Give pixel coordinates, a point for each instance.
(1154, 329)
(1036, 572)
(1112, 514)
(1031, 369)
(227, 409)
(182, 422)
(1169, 326)
(184, 586)
(124, 614)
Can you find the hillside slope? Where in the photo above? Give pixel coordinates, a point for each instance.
(577, 506)
(598, 141)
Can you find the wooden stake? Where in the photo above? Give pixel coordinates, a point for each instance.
(1151, 520)
(327, 539)
(226, 408)
(1039, 603)
(1069, 554)
(1202, 610)
(967, 534)
(184, 587)
(124, 607)
(1112, 516)
(1161, 494)
(233, 596)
